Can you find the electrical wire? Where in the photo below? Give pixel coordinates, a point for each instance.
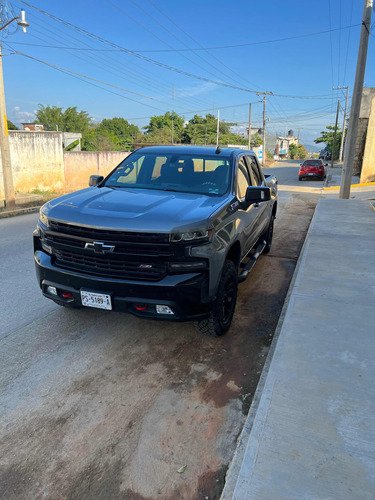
(330, 39)
(347, 46)
(200, 48)
(162, 65)
(93, 79)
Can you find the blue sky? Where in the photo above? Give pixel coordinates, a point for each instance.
(302, 66)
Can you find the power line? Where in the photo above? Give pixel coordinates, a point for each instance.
(347, 46)
(92, 79)
(162, 65)
(144, 81)
(330, 38)
(200, 48)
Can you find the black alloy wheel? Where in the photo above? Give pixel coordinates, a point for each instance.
(220, 317)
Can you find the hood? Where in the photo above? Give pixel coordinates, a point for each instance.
(134, 209)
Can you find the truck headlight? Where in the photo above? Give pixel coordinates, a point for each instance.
(202, 235)
(43, 216)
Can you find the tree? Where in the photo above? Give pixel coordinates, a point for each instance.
(11, 126)
(203, 130)
(299, 151)
(70, 120)
(328, 137)
(126, 133)
(98, 139)
(164, 123)
(256, 140)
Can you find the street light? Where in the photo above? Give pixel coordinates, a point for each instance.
(4, 138)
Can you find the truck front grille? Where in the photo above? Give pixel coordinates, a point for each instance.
(135, 255)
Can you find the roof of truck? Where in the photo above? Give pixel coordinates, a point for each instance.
(195, 150)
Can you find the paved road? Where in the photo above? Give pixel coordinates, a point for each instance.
(104, 405)
(20, 299)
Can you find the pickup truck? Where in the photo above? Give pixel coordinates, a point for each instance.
(168, 234)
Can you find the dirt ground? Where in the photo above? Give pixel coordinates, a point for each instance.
(108, 406)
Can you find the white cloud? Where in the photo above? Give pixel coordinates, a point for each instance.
(18, 116)
(201, 88)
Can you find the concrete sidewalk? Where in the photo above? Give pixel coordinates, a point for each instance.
(310, 433)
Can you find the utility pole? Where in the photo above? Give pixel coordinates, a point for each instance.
(344, 121)
(172, 110)
(334, 137)
(249, 142)
(264, 123)
(217, 130)
(347, 169)
(10, 201)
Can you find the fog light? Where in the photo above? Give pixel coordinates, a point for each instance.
(67, 295)
(163, 309)
(52, 290)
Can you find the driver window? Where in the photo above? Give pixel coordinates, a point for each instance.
(243, 180)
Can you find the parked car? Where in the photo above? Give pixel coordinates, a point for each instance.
(167, 235)
(312, 168)
(325, 155)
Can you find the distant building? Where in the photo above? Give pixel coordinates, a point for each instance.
(32, 127)
(283, 144)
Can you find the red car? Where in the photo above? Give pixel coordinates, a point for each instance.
(312, 168)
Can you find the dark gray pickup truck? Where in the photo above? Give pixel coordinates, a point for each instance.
(168, 234)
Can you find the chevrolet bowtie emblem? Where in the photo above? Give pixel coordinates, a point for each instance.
(99, 247)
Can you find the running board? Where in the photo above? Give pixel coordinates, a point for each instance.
(259, 249)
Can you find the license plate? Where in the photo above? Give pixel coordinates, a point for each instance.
(310, 174)
(98, 300)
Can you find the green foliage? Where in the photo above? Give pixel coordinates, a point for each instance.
(72, 145)
(328, 137)
(203, 130)
(299, 151)
(11, 126)
(160, 128)
(97, 139)
(70, 120)
(256, 140)
(126, 133)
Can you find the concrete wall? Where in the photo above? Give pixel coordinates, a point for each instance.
(37, 161)
(79, 165)
(368, 164)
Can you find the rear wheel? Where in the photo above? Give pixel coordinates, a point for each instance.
(222, 312)
(300, 178)
(268, 235)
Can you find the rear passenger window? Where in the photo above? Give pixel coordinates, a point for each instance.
(243, 181)
(256, 178)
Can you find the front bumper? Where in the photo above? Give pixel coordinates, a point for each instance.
(186, 294)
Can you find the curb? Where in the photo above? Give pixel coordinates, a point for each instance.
(19, 211)
(352, 185)
(237, 460)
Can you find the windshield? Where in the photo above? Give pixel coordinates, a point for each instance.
(312, 163)
(173, 172)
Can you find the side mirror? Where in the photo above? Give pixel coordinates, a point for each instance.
(95, 180)
(257, 194)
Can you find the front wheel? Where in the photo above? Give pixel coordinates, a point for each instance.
(222, 312)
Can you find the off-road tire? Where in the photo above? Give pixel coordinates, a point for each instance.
(268, 235)
(222, 312)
